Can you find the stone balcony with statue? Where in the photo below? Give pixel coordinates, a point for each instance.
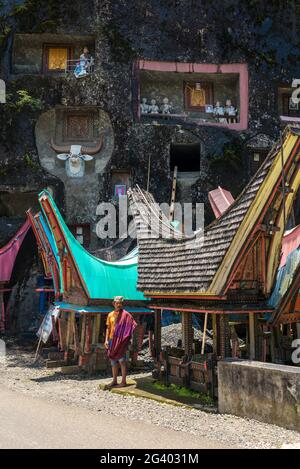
(202, 94)
(52, 55)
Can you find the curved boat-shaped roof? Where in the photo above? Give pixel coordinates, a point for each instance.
(9, 252)
(180, 267)
(100, 279)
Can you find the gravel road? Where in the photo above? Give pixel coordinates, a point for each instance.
(33, 423)
(18, 373)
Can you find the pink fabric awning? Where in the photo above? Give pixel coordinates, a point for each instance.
(220, 200)
(290, 242)
(10, 251)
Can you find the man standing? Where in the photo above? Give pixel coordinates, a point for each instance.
(120, 326)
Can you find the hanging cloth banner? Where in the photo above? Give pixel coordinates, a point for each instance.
(46, 327)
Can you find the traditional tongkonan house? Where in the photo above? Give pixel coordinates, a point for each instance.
(8, 255)
(230, 277)
(84, 287)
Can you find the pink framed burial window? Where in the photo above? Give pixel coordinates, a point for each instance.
(205, 94)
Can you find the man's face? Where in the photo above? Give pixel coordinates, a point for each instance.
(118, 305)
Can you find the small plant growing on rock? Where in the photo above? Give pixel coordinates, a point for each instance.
(23, 101)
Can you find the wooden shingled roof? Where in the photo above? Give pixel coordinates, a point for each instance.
(179, 266)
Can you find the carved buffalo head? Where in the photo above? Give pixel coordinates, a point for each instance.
(75, 156)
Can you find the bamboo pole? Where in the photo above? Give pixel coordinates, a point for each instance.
(149, 172)
(204, 334)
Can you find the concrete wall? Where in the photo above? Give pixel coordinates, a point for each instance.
(262, 391)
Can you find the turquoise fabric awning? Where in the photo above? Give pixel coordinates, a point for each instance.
(98, 309)
(103, 280)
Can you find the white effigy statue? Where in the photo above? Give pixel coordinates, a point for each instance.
(230, 109)
(153, 108)
(219, 110)
(144, 106)
(166, 107)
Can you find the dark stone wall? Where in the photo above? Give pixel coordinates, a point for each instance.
(262, 34)
(265, 35)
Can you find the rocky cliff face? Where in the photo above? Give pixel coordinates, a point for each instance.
(265, 35)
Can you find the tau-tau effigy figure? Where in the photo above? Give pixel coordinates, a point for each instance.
(230, 109)
(166, 107)
(153, 108)
(85, 64)
(219, 110)
(144, 106)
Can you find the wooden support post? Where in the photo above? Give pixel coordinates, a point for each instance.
(96, 329)
(157, 333)
(263, 262)
(215, 333)
(187, 332)
(224, 341)
(272, 346)
(70, 329)
(264, 343)
(69, 336)
(76, 339)
(83, 333)
(234, 341)
(89, 335)
(62, 329)
(252, 336)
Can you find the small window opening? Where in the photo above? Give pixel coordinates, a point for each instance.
(185, 156)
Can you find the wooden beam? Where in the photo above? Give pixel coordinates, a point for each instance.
(252, 335)
(70, 330)
(289, 318)
(96, 329)
(187, 332)
(215, 334)
(157, 333)
(83, 333)
(224, 336)
(76, 339)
